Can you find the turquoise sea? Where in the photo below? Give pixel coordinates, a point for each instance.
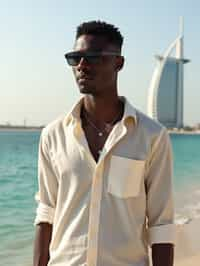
(18, 183)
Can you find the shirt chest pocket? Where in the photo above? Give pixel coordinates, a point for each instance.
(125, 176)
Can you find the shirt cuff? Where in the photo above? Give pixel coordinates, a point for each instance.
(44, 213)
(162, 234)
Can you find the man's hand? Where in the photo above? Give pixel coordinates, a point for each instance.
(163, 254)
(42, 241)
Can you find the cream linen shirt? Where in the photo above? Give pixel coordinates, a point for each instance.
(106, 213)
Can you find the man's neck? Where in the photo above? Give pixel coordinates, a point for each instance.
(102, 110)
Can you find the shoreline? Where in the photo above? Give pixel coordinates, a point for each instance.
(22, 129)
(194, 132)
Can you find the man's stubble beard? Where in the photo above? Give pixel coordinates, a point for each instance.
(88, 90)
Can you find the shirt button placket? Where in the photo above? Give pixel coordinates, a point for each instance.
(94, 216)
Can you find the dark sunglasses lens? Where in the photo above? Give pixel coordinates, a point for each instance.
(73, 60)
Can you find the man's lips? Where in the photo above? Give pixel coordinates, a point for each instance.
(85, 77)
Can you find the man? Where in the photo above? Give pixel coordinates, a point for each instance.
(105, 188)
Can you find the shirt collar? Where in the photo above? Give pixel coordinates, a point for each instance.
(129, 112)
(74, 113)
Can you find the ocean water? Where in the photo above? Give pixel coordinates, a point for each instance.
(18, 183)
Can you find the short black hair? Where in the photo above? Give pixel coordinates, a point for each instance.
(101, 28)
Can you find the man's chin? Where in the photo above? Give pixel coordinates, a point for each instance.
(86, 90)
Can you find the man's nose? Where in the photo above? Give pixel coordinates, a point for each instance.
(83, 64)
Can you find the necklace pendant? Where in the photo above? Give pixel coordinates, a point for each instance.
(100, 134)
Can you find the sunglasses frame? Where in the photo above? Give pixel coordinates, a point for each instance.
(90, 57)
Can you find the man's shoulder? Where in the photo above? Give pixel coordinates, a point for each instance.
(143, 121)
(56, 126)
(150, 126)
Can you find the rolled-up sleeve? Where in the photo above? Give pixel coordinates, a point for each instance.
(47, 181)
(159, 189)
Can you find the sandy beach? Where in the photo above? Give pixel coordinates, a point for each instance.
(192, 261)
(187, 245)
(187, 250)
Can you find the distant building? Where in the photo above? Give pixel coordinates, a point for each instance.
(165, 99)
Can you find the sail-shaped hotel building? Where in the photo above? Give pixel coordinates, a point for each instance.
(165, 99)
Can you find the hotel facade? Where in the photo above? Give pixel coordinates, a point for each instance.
(165, 98)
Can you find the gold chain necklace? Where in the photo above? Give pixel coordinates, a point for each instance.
(107, 127)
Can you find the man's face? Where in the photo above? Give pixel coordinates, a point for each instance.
(95, 78)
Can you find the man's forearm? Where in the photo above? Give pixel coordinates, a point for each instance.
(42, 242)
(163, 254)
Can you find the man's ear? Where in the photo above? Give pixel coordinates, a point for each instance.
(119, 63)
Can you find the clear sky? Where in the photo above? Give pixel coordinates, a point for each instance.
(37, 85)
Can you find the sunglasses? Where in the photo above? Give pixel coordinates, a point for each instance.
(74, 58)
